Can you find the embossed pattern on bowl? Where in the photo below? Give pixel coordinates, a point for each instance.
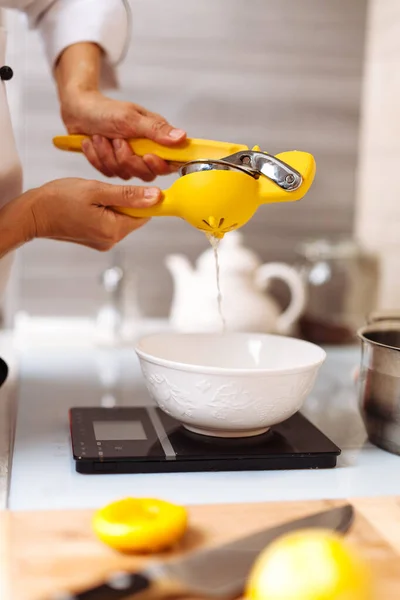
(232, 385)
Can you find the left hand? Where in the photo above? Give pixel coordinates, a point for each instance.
(110, 123)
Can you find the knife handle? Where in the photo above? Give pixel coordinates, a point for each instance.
(124, 585)
(190, 149)
(118, 587)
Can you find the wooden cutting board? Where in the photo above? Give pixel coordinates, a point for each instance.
(43, 552)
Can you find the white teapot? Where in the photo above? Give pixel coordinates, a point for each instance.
(243, 282)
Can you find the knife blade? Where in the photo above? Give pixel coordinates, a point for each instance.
(220, 573)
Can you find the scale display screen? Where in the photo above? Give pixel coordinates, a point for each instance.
(118, 430)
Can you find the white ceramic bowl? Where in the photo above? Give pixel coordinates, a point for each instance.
(230, 385)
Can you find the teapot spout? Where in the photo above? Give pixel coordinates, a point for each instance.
(180, 268)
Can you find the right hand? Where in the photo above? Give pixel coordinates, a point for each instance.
(109, 123)
(80, 211)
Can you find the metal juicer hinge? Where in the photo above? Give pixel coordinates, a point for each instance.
(265, 164)
(252, 163)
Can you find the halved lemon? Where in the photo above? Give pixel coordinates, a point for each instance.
(309, 565)
(140, 524)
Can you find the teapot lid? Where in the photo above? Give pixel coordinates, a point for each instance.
(232, 255)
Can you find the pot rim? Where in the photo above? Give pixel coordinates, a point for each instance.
(377, 326)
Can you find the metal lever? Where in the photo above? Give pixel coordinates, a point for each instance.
(265, 164)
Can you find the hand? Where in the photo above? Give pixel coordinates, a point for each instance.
(110, 123)
(77, 210)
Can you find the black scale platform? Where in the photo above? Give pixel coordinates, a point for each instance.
(146, 440)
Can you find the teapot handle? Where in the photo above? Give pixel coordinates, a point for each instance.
(293, 280)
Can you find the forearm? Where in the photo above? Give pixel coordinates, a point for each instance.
(16, 223)
(66, 23)
(78, 70)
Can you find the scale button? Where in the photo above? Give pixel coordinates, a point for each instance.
(99, 443)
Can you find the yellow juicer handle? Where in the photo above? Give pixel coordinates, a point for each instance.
(167, 207)
(303, 162)
(190, 149)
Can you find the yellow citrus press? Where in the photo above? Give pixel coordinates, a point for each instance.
(222, 192)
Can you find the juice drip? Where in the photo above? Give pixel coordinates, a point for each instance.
(214, 244)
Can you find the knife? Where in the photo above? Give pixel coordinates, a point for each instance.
(219, 573)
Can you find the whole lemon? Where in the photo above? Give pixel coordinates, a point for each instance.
(309, 565)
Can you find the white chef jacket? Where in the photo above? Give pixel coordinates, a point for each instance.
(60, 23)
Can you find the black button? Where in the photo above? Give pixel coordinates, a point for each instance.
(6, 73)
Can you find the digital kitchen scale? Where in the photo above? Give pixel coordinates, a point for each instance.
(146, 440)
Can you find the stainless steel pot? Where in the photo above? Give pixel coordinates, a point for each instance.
(3, 371)
(379, 381)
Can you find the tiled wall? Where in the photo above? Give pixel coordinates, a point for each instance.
(284, 75)
(378, 202)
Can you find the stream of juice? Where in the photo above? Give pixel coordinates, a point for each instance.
(214, 244)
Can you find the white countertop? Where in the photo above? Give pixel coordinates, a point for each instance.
(54, 378)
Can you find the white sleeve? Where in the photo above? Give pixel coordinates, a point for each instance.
(66, 22)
